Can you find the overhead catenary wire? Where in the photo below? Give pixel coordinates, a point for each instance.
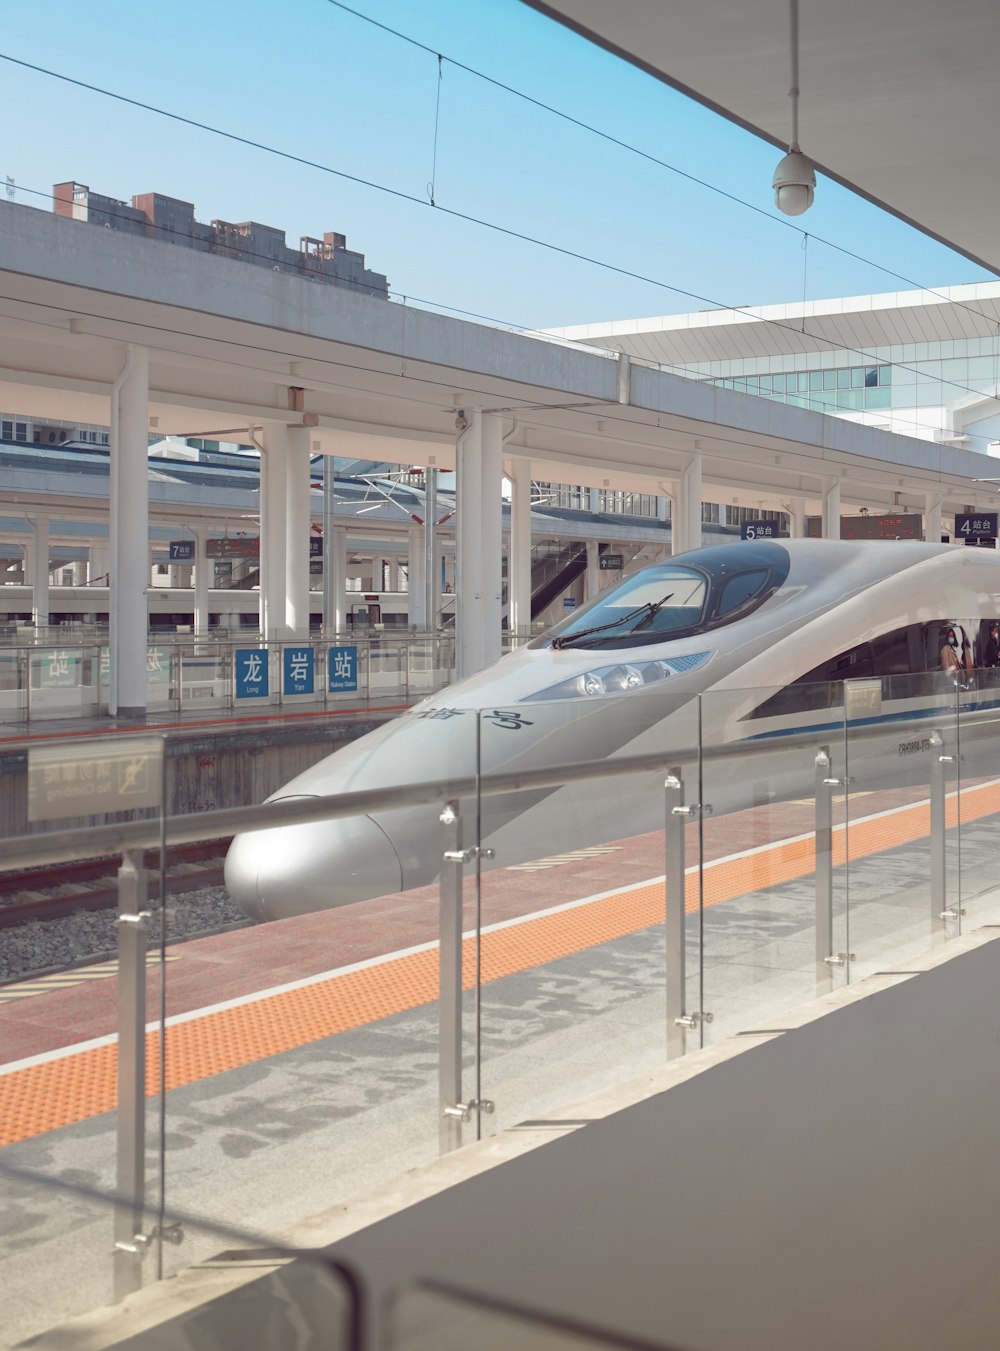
(682, 369)
(865, 355)
(635, 150)
(599, 410)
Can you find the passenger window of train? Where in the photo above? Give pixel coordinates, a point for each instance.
(738, 590)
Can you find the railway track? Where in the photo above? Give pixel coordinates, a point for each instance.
(56, 891)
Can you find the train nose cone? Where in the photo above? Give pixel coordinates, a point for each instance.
(293, 870)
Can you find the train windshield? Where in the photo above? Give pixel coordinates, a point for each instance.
(711, 587)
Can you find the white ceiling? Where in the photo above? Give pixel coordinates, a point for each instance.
(900, 99)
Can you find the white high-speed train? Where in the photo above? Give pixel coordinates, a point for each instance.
(763, 630)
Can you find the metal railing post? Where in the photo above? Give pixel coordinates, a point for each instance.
(129, 1241)
(676, 818)
(940, 911)
(824, 787)
(451, 1110)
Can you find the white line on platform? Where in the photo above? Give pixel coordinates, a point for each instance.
(305, 981)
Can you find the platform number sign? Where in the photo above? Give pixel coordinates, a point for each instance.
(761, 530)
(983, 525)
(342, 669)
(297, 670)
(251, 673)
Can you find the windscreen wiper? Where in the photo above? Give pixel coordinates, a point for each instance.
(646, 611)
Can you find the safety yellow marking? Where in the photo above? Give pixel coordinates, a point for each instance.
(59, 1092)
(573, 856)
(65, 980)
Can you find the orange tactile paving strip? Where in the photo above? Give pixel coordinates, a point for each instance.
(74, 1087)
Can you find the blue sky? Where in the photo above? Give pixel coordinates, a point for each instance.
(311, 79)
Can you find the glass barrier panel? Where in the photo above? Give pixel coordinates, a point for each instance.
(387, 667)
(300, 1061)
(70, 1249)
(63, 681)
(204, 676)
(79, 988)
(160, 675)
(770, 896)
(977, 806)
(902, 840)
(13, 695)
(433, 1317)
(571, 940)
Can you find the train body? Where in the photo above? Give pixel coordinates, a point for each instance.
(763, 632)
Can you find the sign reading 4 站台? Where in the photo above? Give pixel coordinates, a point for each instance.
(95, 778)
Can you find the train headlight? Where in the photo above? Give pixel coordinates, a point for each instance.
(619, 678)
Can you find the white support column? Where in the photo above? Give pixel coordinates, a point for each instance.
(480, 541)
(79, 574)
(417, 593)
(429, 573)
(797, 518)
(831, 509)
(128, 612)
(40, 571)
(378, 573)
(593, 568)
(98, 563)
(687, 513)
(273, 498)
(335, 558)
(932, 518)
(202, 580)
(297, 529)
(519, 553)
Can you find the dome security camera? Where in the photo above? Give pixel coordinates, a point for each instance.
(794, 183)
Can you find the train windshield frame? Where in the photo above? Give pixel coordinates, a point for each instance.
(679, 598)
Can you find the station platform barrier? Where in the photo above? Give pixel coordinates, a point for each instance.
(581, 912)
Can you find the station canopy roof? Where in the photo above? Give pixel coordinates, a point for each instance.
(863, 323)
(900, 99)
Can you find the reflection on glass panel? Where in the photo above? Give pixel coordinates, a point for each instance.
(63, 1263)
(802, 379)
(758, 912)
(879, 398)
(571, 900)
(815, 379)
(434, 1317)
(857, 377)
(844, 379)
(885, 375)
(902, 735)
(829, 379)
(330, 1053)
(871, 377)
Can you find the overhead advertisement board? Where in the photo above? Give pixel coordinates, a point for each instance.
(241, 546)
(895, 526)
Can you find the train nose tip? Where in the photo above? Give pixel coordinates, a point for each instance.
(294, 870)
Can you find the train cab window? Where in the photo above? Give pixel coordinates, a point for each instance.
(709, 588)
(740, 589)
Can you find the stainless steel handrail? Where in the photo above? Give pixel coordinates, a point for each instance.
(89, 841)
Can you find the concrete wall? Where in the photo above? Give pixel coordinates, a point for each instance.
(205, 772)
(836, 1186)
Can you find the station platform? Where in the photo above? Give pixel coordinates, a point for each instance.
(301, 1055)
